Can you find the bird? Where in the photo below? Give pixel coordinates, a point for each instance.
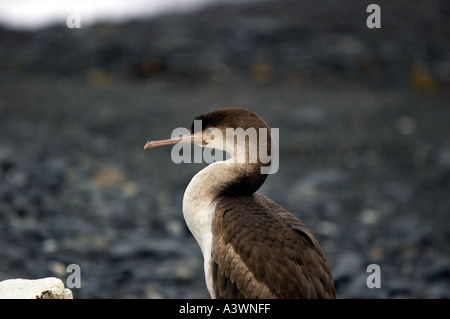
(251, 246)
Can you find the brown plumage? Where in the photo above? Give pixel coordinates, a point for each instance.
(253, 248)
(280, 260)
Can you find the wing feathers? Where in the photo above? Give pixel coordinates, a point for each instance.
(282, 259)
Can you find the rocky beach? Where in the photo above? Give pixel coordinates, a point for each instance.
(363, 117)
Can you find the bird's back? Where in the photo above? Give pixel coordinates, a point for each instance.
(259, 250)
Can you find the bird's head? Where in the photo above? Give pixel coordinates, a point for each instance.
(239, 132)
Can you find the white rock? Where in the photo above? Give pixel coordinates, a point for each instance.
(46, 288)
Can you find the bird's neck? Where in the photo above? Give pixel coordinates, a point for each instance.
(220, 178)
(225, 178)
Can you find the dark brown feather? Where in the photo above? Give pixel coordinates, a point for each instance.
(260, 250)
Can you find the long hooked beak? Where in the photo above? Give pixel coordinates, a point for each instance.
(196, 138)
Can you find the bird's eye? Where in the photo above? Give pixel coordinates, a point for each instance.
(208, 132)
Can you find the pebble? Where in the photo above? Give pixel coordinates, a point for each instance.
(406, 125)
(369, 216)
(443, 158)
(348, 265)
(317, 183)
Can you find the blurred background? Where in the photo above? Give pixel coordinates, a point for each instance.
(363, 115)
